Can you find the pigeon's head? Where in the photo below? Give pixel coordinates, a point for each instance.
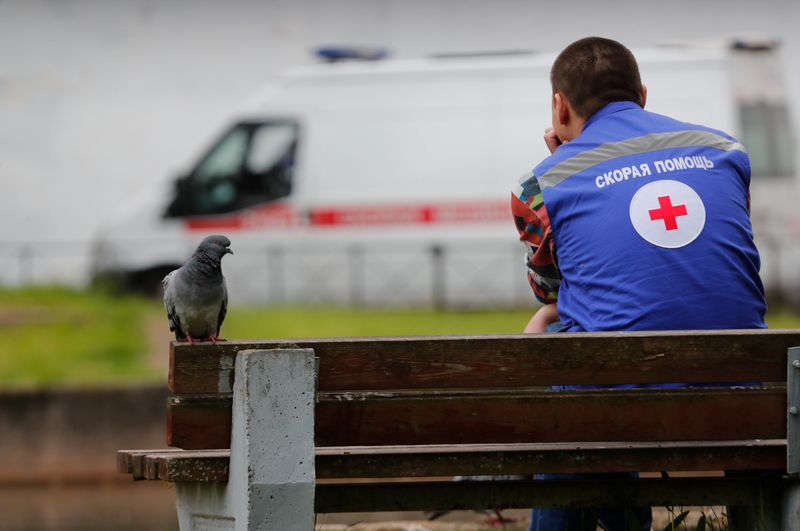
(215, 246)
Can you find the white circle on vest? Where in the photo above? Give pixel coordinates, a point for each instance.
(667, 213)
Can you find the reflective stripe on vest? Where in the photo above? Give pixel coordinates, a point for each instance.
(631, 146)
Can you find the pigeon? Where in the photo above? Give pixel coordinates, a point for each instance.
(195, 295)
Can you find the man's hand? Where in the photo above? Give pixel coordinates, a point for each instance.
(551, 139)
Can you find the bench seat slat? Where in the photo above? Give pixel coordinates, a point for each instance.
(509, 417)
(202, 466)
(126, 458)
(505, 360)
(476, 460)
(503, 459)
(135, 462)
(476, 495)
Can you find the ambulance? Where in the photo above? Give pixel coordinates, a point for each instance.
(372, 181)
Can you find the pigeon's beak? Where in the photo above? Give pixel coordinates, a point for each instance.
(228, 250)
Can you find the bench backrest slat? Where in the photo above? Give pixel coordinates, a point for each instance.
(509, 416)
(495, 389)
(447, 362)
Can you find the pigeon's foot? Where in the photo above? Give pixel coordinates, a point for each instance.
(192, 340)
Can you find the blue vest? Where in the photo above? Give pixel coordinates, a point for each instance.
(651, 226)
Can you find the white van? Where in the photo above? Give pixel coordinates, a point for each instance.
(388, 181)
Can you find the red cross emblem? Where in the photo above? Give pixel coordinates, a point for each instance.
(675, 200)
(668, 212)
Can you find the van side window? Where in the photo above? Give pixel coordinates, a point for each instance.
(767, 136)
(252, 163)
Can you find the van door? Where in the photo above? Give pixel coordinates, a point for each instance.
(251, 164)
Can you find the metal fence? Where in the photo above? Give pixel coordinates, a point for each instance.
(481, 274)
(438, 275)
(477, 274)
(44, 262)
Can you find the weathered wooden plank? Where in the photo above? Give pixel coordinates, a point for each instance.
(145, 466)
(505, 459)
(513, 459)
(125, 458)
(510, 416)
(138, 462)
(477, 495)
(541, 416)
(507, 360)
(137, 466)
(124, 461)
(205, 466)
(199, 422)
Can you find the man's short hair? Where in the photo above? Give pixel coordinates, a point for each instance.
(593, 72)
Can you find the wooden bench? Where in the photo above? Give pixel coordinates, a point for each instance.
(271, 431)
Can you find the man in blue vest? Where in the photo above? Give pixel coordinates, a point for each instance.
(636, 221)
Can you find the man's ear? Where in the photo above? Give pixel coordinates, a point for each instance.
(562, 108)
(644, 95)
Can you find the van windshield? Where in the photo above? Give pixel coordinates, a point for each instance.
(252, 163)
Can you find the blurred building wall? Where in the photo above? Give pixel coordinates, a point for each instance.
(72, 435)
(100, 99)
(58, 460)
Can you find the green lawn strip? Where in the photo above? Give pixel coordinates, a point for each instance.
(342, 322)
(783, 318)
(56, 335)
(254, 322)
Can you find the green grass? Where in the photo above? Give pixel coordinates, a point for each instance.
(783, 318)
(254, 322)
(62, 336)
(57, 335)
(342, 322)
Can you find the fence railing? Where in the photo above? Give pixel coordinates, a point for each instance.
(438, 275)
(44, 262)
(474, 274)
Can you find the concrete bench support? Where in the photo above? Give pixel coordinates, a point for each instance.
(271, 481)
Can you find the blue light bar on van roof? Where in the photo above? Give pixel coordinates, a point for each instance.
(752, 44)
(334, 54)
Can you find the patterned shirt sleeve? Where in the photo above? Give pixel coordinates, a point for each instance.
(533, 225)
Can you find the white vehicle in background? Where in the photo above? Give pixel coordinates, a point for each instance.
(388, 181)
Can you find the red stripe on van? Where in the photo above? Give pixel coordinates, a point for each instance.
(462, 212)
(271, 215)
(282, 215)
(371, 215)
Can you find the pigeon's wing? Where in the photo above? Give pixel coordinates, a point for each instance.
(169, 305)
(223, 307)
